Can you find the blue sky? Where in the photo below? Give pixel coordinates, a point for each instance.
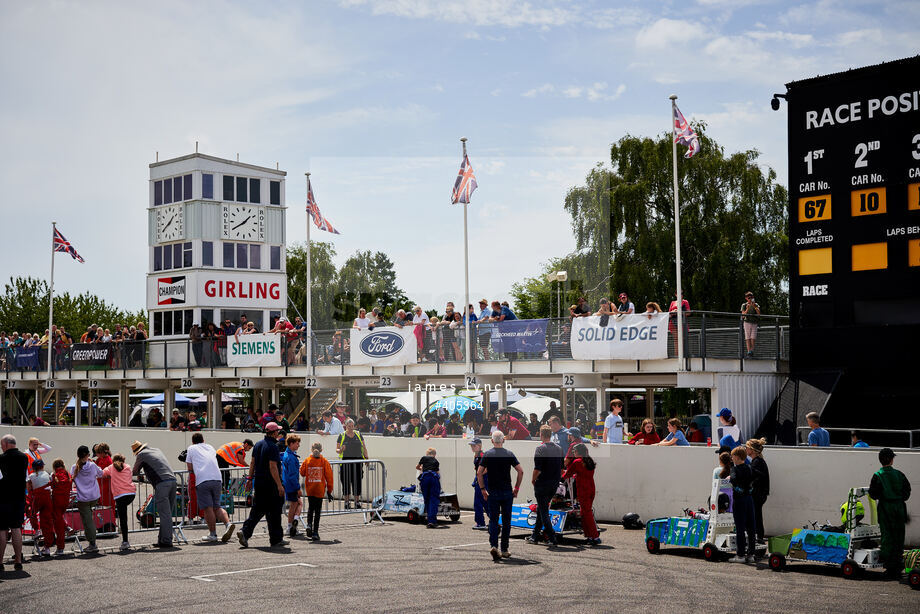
(372, 97)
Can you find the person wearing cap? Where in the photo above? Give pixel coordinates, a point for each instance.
(158, 472)
(728, 433)
(891, 489)
(580, 309)
(331, 425)
(268, 495)
(626, 305)
(478, 502)
(561, 434)
(281, 421)
(86, 476)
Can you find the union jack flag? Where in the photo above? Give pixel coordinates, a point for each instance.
(465, 184)
(684, 134)
(63, 245)
(313, 210)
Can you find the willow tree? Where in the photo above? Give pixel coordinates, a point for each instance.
(324, 274)
(733, 227)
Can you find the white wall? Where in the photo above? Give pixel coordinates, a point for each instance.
(807, 484)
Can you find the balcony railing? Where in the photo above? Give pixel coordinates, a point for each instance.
(707, 335)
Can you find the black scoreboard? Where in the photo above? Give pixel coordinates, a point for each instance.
(854, 232)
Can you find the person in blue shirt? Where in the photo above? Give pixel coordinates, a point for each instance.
(290, 478)
(675, 435)
(483, 330)
(818, 437)
(856, 438)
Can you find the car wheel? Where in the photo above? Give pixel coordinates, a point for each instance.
(413, 516)
(849, 568)
(709, 552)
(454, 517)
(777, 561)
(913, 579)
(653, 545)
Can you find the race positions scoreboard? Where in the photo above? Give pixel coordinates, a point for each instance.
(854, 220)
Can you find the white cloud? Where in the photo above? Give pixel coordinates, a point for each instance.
(572, 92)
(546, 88)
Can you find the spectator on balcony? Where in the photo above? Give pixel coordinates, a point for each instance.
(178, 421)
(435, 428)
(401, 319)
(651, 309)
(856, 439)
(483, 330)
(154, 418)
(194, 337)
(362, 321)
(192, 423)
(580, 309)
(455, 329)
(626, 306)
(502, 312)
(511, 426)
(377, 319)
(750, 313)
(604, 308)
(672, 322)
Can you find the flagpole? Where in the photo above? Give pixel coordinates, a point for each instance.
(309, 340)
(51, 299)
(680, 293)
(466, 273)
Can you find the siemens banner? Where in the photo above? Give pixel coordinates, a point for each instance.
(385, 346)
(254, 350)
(631, 337)
(527, 336)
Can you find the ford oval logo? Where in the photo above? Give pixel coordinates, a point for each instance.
(381, 345)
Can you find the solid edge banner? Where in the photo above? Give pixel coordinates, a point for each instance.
(628, 337)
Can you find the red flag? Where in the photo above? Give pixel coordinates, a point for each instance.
(63, 245)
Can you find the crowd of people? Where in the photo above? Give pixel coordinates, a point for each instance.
(129, 349)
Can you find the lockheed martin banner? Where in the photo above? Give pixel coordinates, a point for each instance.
(630, 337)
(385, 346)
(254, 350)
(519, 336)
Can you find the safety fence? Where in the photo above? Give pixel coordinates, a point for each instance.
(707, 334)
(357, 485)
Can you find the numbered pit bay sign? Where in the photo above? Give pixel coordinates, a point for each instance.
(471, 381)
(310, 383)
(568, 380)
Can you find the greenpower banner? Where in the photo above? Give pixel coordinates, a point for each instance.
(254, 350)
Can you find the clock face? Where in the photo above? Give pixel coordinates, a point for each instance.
(243, 222)
(170, 224)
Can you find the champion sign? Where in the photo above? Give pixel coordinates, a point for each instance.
(171, 290)
(384, 346)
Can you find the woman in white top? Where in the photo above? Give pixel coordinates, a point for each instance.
(362, 321)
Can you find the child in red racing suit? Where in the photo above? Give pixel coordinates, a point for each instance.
(582, 469)
(60, 501)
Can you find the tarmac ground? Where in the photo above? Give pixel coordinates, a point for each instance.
(398, 567)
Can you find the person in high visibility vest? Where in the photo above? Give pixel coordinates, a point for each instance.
(230, 455)
(351, 446)
(35, 450)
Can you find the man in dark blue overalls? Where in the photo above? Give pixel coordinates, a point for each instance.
(479, 506)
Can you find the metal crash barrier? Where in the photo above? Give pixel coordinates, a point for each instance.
(364, 479)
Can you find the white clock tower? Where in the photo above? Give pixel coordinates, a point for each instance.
(216, 231)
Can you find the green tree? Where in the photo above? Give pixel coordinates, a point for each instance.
(368, 280)
(733, 227)
(325, 276)
(24, 308)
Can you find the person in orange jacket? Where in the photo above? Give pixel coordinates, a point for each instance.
(317, 473)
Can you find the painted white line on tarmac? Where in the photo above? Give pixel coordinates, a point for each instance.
(207, 577)
(463, 545)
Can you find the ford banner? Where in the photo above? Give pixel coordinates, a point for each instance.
(384, 346)
(629, 337)
(254, 350)
(525, 336)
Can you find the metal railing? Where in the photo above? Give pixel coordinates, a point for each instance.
(236, 499)
(889, 434)
(707, 334)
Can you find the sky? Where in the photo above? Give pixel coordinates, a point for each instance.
(372, 97)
